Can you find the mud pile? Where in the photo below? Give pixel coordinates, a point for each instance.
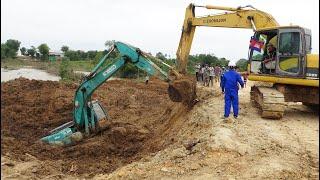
(140, 113)
(183, 90)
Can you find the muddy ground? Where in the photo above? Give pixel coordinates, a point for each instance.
(152, 137)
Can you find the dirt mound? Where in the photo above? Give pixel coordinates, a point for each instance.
(151, 137)
(139, 113)
(183, 90)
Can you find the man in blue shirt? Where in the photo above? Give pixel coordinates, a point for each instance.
(229, 86)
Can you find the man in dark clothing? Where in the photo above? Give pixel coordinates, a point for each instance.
(270, 58)
(229, 86)
(197, 69)
(223, 70)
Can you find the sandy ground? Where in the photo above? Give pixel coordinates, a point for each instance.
(179, 144)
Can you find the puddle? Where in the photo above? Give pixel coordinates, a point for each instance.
(29, 73)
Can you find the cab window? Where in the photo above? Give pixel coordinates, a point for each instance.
(308, 43)
(289, 49)
(289, 43)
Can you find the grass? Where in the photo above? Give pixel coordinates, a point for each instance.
(50, 67)
(18, 63)
(82, 65)
(54, 67)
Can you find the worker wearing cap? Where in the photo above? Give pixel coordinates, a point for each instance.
(229, 86)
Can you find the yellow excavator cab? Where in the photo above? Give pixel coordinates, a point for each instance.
(296, 73)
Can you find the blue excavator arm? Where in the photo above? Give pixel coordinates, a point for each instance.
(89, 116)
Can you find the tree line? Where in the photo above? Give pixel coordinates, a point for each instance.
(10, 48)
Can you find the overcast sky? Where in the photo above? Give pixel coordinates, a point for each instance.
(151, 25)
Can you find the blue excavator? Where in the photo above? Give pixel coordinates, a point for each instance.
(89, 117)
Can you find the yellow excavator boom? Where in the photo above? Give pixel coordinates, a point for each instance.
(242, 17)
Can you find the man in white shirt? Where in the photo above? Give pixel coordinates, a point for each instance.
(211, 75)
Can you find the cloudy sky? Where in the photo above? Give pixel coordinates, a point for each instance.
(152, 26)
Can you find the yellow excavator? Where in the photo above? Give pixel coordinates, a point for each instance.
(294, 71)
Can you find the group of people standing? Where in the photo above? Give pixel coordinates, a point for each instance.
(207, 74)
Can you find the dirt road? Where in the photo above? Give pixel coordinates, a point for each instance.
(251, 147)
(154, 138)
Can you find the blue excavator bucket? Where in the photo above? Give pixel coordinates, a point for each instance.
(67, 134)
(60, 135)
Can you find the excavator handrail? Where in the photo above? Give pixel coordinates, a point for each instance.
(224, 8)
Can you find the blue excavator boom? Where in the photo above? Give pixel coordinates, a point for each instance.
(89, 117)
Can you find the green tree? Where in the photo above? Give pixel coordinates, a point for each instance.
(98, 57)
(242, 64)
(128, 71)
(44, 51)
(32, 51)
(83, 55)
(223, 62)
(37, 55)
(4, 50)
(64, 49)
(72, 55)
(92, 54)
(209, 59)
(23, 50)
(109, 43)
(10, 48)
(65, 70)
(159, 55)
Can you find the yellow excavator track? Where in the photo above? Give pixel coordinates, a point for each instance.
(270, 101)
